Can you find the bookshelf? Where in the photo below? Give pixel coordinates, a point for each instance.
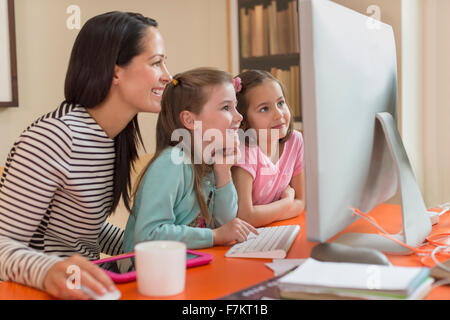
(268, 39)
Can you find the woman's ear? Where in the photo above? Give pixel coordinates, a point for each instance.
(187, 119)
(117, 75)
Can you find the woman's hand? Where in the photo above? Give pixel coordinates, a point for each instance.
(235, 230)
(58, 281)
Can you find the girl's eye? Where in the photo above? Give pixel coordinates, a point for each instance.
(264, 109)
(157, 63)
(281, 103)
(226, 108)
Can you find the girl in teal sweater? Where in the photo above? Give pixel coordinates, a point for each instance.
(190, 196)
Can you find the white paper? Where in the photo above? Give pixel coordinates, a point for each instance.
(314, 273)
(280, 266)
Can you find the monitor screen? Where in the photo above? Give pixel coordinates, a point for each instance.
(353, 158)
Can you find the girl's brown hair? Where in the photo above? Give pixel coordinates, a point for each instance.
(188, 91)
(251, 79)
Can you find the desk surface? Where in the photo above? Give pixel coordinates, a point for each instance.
(224, 276)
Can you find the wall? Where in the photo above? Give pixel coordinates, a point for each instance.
(436, 100)
(412, 86)
(195, 34)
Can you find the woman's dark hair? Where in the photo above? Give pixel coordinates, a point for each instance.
(105, 41)
(249, 80)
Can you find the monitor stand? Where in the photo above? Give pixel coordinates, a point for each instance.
(416, 222)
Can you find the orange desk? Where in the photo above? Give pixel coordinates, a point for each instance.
(227, 275)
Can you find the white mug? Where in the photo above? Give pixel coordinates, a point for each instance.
(160, 267)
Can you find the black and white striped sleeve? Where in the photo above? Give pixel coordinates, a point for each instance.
(36, 167)
(21, 264)
(111, 239)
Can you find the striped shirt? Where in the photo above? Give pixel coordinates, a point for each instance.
(55, 194)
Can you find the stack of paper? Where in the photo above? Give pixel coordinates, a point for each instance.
(332, 280)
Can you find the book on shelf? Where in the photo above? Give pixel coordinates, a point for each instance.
(291, 83)
(337, 280)
(290, 20)
(272, 25)
(245, 33)
(257, 30)
(266, 30)
(282, 31)
(296, 26)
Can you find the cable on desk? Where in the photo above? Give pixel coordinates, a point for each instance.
(440, 240)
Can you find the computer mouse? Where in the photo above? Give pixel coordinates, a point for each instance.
(335, 252)
(115, 295)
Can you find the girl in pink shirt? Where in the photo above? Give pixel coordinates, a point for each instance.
(269, 178)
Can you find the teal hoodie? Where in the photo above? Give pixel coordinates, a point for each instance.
(166, 205)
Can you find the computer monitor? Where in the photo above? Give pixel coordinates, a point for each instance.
(354, 156)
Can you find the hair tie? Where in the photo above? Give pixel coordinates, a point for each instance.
(175, 82)
(237, 83)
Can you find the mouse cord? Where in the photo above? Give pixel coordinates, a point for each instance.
(438, 263)
(369, 219)
(442, 282)
(440, 249)
(385, 234)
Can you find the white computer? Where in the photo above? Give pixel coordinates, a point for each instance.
(354, 156)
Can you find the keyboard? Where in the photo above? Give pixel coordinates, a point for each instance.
(270, 243)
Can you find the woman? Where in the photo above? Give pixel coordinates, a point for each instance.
(68, 170)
